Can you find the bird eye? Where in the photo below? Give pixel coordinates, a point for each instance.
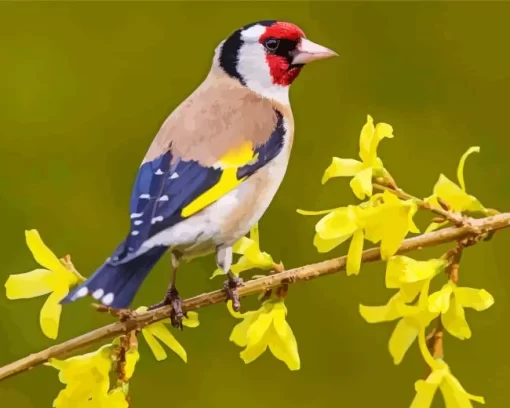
(272, 44)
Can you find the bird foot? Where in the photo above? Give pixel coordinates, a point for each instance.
(230, 287)
(172, 298)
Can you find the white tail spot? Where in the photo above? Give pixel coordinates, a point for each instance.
(82, 292)
(158, 172)
(135, 232)
(174, 176)
(136, 215)
(98, 294)
(138, 222)
(108, 299)
(163, 198)
(147, 196)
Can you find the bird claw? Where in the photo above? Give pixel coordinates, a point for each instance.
(230, 287)
(176, 314)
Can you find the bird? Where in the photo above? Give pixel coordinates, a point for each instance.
(214, 166)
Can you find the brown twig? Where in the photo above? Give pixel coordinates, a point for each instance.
(483, 226)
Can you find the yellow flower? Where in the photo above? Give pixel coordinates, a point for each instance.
(86, 377)
(252, 256)
(455, 195)
(370, 166)
(391, 223)
(451, 300)
(56, 279)
(454, 395)
(385, 219)
(413, 279)
(266, 327)
(159, 330)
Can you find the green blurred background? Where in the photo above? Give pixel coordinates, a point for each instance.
(83, 90)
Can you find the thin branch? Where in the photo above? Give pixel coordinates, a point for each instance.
(476, 229)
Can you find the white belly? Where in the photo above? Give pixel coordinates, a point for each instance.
(229, 218)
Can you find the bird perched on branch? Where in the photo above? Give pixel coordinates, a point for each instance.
(214, 166)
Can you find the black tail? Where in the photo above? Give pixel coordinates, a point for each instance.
(116, 285)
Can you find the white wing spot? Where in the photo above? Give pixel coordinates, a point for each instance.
(135, 232)
(82, 292)
(136, 215)
(138, 222)
(163, 198)
(147, 196)
(108, 299)
(174, 176)
(157, 219)
(158, 172)
(98, 294)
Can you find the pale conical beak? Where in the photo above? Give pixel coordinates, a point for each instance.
(308, 51)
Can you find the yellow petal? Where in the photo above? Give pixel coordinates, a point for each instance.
(365, 140)
(253, 352)
(116, 399)
(458, 199)
(326, 245)
(242, 245)
(440, 301)
(361, 184)
(132, 357)
(30, 284)
(425, 392)
(355, 252)
(217, 272)
(285, 348)
(340, 223)
(378, 314)
(454, 320)
(42, 254)
(401, 339)
(342, 168)
(462, 162)
(239, 334)
(455, 395)
(191, 320)
(321, 212)
(156, 348)
(370, 138)
(402, 269)
(258, 328)
(49, 317)
(159, 331)
(478, 299)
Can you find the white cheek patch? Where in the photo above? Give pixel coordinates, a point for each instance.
(254, 69)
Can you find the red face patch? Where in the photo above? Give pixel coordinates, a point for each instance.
(280, 62)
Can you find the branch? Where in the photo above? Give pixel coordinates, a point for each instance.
(475, 228)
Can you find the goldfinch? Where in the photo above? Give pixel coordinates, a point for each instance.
(214, 166)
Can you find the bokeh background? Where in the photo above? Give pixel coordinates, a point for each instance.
(85, 86)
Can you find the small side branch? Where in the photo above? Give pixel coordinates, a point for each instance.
(476, 229)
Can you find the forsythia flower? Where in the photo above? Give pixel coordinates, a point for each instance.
(457, 197)
(413, 279)
(252, 256)
(266, 327)
(455, 396)
(371, 165)
(86, 377)
(385, 219)
(451, 300)
(56, 279)
(160, 331)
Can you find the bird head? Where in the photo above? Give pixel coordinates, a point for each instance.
(267, 56)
